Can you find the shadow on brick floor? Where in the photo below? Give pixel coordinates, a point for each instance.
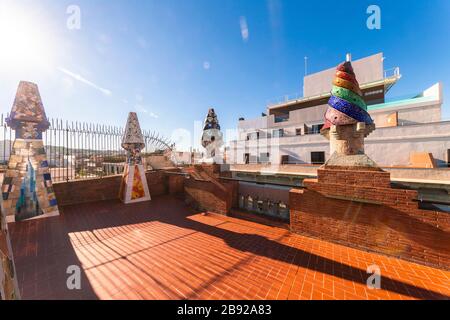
(43, 246)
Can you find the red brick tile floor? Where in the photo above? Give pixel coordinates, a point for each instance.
(163, 250)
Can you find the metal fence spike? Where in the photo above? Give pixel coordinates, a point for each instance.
(85, 142)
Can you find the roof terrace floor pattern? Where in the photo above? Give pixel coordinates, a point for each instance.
(164, 250)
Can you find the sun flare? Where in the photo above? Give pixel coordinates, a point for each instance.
(25, 41)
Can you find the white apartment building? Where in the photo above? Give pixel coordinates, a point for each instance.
(289, 130)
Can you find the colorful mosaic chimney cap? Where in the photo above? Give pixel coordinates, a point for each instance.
(346, 105)
(211, 121)
(133, 138)
(28, 107)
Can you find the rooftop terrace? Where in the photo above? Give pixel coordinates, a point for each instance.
(164, 250)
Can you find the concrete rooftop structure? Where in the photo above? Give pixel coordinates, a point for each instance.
(289, 132)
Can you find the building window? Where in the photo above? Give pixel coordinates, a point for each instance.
(247, 158)
(278, 133)
(253, 136)
(285, 159)
(448, 157)
(318, 157)
(314, 129)
(283, 210)
(281, 118)
(250, 203)
(298, 132)
(264, 157)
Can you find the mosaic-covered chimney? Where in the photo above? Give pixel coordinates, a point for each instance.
(212, 138)
(134, 187)
(9, 289)
(347, 121)
(27, 188)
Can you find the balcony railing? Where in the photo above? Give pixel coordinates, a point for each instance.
(393, 72)
(388, 74)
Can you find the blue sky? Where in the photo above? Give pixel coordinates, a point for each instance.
(171, 60)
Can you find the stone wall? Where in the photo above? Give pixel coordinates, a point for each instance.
(360, 209)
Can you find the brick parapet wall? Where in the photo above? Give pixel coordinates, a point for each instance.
(357, 178)
(206, 191)
(107, 188)
(371, 216)
(176, 184)
(400, 198)
(233, 186)
(211, 169)
(212, 194)
(201, 195)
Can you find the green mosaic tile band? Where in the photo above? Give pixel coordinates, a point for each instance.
(350, 96)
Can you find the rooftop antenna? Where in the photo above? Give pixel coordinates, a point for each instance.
(348, 57)
(306, 66)
(306, 73)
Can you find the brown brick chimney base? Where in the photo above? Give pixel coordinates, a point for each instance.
(360, 209)
(205, 190)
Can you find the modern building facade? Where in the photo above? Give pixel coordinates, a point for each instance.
(407, 129)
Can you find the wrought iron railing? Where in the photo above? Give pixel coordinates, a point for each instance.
(79, 150)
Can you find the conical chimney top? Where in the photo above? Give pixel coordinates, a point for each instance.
(133, 137)
(28, 107)
(211, 121)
